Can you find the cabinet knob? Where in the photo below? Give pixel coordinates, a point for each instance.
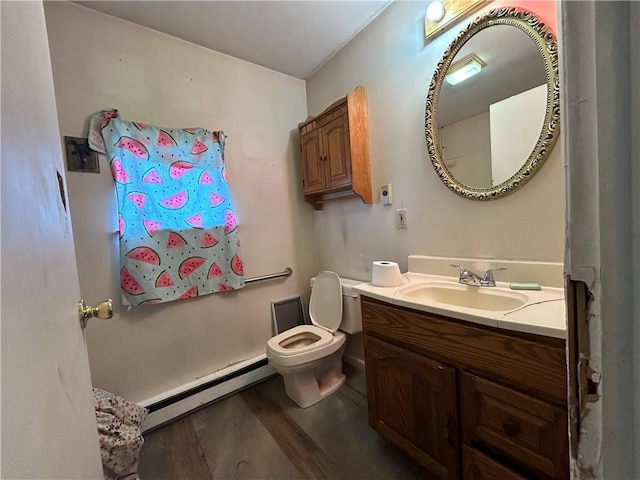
(448, 429)
(510, 428)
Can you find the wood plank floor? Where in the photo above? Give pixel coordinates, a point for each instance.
(260, 433)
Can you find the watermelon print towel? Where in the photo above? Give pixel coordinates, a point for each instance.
(178, 232)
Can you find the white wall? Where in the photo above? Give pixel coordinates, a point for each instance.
(99, 61)
(516, 123)
(391, 60)
(466, 148)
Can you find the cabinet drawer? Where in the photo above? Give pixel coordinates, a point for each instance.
(478, 466)
(523, 429)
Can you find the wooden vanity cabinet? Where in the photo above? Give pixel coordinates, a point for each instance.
(466, 401)
(335, 151)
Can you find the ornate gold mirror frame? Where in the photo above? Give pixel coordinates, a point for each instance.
(545, 42)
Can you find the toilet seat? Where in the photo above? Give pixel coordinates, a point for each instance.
(298, 340)
(325, 310)
(318, 350)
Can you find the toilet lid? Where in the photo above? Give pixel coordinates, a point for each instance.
(325, 306)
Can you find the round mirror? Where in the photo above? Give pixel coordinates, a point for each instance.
(493, 107)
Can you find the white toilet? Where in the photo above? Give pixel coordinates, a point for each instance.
(309, 357)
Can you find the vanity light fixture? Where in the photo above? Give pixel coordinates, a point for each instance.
(443, 14)
(464, 69)
(435, 11)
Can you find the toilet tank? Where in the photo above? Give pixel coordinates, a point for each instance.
(351, 309)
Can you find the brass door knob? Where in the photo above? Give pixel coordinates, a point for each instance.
(102, 310)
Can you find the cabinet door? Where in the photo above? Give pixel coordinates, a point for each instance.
(337, 152)
(412, 403)
(313, 171)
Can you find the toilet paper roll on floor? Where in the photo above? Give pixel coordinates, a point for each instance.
(386, 274)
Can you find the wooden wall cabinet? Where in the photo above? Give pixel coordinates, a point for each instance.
(335, 151)
(466, 401)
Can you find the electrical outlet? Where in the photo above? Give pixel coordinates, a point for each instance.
(401, 218)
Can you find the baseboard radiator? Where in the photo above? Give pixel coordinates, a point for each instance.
(186, 398)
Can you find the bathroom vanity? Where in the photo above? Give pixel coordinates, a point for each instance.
(467, 396)
(470, 380)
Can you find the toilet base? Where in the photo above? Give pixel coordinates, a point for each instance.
(309, 383)
(306, 390)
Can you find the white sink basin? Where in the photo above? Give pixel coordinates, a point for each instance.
(480, 298)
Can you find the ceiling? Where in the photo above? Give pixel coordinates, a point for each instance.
(292, 37)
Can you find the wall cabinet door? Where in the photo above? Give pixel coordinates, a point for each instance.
(326, 157)
(313, 173)
(412, 403)
(337, 156)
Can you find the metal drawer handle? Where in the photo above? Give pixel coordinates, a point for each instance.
(511, 428)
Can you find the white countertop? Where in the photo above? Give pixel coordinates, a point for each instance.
(543, 314)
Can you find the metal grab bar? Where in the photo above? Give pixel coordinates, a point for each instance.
(286, 273)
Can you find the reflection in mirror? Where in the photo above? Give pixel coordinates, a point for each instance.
(487, 134)
(489, 123)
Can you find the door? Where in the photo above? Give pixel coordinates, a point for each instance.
(47, 419)
(337, 152)
(412, 403)
(313, 172)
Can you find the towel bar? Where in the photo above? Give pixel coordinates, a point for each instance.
(286, 273)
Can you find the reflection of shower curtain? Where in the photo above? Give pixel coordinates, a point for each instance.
(178, 235)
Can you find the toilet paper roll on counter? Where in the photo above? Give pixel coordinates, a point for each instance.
(386, 274)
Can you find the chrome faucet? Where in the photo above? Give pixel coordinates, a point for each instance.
(488, 280)
(467, 277)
